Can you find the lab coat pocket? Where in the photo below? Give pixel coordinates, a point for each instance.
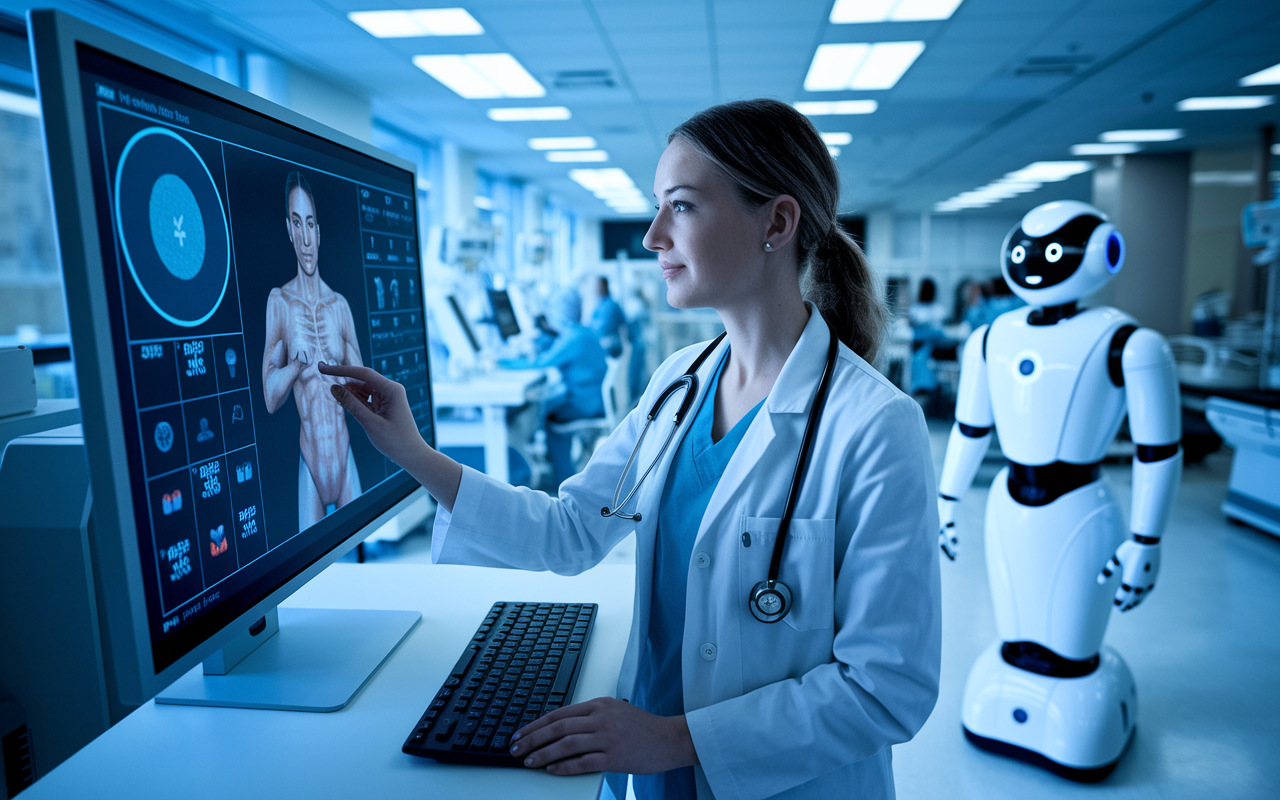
(808, 566)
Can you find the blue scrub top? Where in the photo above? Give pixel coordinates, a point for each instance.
(581, 361)
(608, 321)
(695, 471)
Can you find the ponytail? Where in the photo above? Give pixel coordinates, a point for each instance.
(839, 281)
(767, 148)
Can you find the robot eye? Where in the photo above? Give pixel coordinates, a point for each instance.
(1018, 254)
(1053, 253)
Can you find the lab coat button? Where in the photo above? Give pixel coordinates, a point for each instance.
(702, 560)
(708, 651)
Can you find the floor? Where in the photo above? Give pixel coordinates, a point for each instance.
(1204, 650)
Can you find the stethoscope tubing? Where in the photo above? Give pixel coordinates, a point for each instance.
(802, 461)
(689, 380)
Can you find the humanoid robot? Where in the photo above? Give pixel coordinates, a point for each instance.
(1055, 381)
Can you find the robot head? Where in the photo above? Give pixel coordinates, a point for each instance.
(1062, 251)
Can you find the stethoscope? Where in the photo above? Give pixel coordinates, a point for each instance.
(770, 599)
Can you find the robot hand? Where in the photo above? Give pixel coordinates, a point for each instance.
(1138, 565)
(947, 538)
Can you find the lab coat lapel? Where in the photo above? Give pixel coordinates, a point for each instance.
(786, 405)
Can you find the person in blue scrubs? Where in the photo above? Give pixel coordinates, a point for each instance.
(713, 702)
(607, 320)
(576, 352)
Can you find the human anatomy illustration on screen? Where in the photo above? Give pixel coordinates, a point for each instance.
(308, 322)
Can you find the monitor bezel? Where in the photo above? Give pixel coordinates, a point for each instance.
(122, 613)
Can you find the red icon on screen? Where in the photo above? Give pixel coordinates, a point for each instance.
(171, 502)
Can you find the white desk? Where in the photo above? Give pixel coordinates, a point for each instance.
(493, 394)
(167, 752)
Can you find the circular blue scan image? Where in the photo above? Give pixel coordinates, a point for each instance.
(177, 230)
(172, 226)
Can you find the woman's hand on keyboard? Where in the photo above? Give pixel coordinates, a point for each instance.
(605, 735)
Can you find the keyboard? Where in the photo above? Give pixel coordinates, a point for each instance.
(523, 662)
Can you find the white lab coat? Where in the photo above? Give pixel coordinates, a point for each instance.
(807, 707)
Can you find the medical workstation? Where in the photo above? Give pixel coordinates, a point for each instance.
(222, 573)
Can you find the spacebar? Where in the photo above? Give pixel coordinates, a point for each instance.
(565, 674)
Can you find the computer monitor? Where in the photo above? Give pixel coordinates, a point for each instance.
(504, 316)
(461, 319)
(214, 248)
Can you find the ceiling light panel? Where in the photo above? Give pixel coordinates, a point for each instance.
(563, 143)
(819, 108)
(1027, 179)
(417, 22)
(838, 67)
(1105, 149)
(481, 76)
(1143, 135)
(530, 114)
(846, 12)
(1235, 103)
(576, 156)
(837, 138)
(1265, 77)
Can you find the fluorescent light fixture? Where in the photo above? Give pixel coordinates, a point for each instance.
(1143, 135)
(820, 108)
(1263, 77)
(1105, 149)
(1236, 103)
(19, 104)
(563, 143)
(530, 114)
(839, 139)
(1243, 177)
(853, 11)
(576, 156)
(1027, 179)
(834, 67)
(601, 178)
(837, 67)
(834, 151)
(621, 192)
(1050, 171)
(417, 22)
(483, 203)
(481, 75)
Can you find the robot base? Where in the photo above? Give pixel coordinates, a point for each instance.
(1075, 727)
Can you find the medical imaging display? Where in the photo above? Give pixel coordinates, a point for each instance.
(239, 252)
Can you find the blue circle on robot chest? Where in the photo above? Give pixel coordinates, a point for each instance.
(1027, 366)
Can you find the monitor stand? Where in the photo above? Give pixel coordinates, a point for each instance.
(317, 661)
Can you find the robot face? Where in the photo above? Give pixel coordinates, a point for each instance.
(1040, 262)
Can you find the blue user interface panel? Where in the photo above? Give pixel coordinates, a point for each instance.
(239, 252)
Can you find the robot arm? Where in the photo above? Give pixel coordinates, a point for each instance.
(970, 437)
(1149, 376)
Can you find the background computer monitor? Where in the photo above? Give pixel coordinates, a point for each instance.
(189, 215)
(463, 324)
(504, 316)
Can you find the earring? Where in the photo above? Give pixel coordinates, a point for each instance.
(768, 246)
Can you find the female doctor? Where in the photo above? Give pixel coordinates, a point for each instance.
(714, 701)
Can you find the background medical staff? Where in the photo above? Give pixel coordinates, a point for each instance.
(577, 353)
(806, 707)
(607, 319)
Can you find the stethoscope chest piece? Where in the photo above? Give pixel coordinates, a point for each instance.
(770, 601)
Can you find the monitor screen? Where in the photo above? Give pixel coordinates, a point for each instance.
(503, 313)
(237, 253)
(463, 324)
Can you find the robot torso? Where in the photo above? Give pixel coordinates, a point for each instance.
(1052, 395)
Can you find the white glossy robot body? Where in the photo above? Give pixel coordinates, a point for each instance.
(1055, 383)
